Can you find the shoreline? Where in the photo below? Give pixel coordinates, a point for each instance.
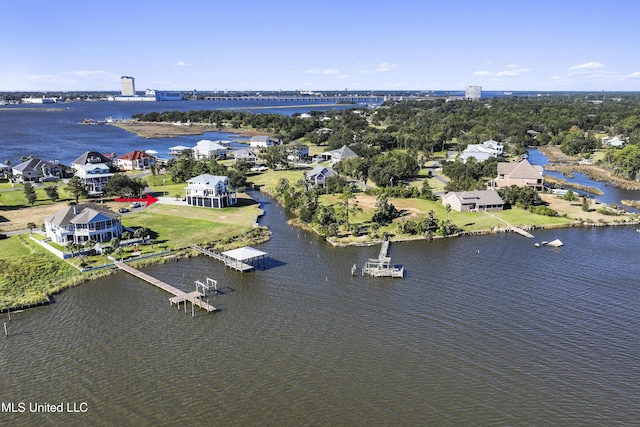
(566, 165)
(169, 130)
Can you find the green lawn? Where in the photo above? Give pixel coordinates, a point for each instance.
(183, 226)
(28, 273)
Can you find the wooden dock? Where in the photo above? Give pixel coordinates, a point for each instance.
(179, 295)
(241, 259)
(382, 266)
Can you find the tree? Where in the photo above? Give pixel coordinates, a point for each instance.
(52, 192)
(569, 196)
(31, 226)
(120, 185)
(77, 188)
(585, 204)
(385, 212)
(30, 193)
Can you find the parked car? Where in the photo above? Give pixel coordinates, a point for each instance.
(135, 205)
(123, 210)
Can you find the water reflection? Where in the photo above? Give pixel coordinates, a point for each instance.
(611, 194)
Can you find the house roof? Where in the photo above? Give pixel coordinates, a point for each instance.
(79, 214)
(135, 155)
(207, 146)
(33, 165)
(477, 197)
(320, 170)
(260, 138)
(243, 254)
(244, 154)
(179, 148)
(205, 181)
(91, 157)
(520, 170)
(343, 152)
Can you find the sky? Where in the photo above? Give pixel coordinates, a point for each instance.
(206, 45)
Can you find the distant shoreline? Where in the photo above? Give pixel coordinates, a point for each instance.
(171, 130)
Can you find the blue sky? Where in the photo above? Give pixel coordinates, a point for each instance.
(329, 45)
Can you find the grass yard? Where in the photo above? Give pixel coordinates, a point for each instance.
(182, 226)
(28, 273)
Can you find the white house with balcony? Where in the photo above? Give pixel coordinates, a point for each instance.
(210, 191)
(83, 222)
(207, 149)
(95, 169)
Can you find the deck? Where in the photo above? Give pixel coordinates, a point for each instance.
(382, 266)
(242, 259)
(179, 295)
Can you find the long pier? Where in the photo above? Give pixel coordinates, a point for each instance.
(356, 99)
(179, 295)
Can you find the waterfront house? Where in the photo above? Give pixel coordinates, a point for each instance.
(521, 173)
(83, 222)
(206, 149)
(478, 200)
(95, 169)
(245, 156)
(35, 170)
(318, 175)
(341, 153)
(175, 152)
(210, 191)
(263, 141)
(136, 160)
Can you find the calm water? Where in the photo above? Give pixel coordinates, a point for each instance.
(512, 335)
(611, 194)
(53, 132)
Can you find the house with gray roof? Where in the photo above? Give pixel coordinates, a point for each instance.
(95, 169)
(210, 191)
(522, 174)
(341, 153)
(477, 200)
(83, 222)
(318, 175)
(35, 170)
(245, 156)
(206, 149)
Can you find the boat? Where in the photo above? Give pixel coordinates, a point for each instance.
(555, 243)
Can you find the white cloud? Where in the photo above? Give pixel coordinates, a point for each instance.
(325, 71)
(511, 71)
(635, 75)
(182, 64)
(385, 66)
(343, 76)
(587, 66)
(92, 74)
(506, 73)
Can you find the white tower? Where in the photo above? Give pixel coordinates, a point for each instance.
(473, 93)
(128, 86)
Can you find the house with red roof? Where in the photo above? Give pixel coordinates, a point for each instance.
(136, 160)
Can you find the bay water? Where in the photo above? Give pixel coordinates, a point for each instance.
(483, 330)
